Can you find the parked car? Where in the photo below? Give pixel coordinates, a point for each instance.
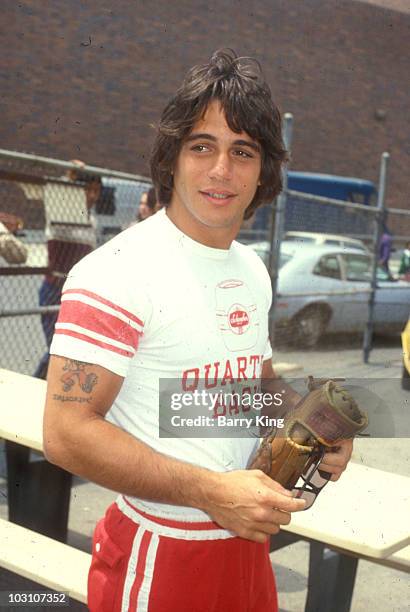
(326, 288)
(405, 341)
(331, 239)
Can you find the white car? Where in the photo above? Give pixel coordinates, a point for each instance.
(324, 288)
(330, 239)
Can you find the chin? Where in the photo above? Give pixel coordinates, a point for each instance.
(218, 223)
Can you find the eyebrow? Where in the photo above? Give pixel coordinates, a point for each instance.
(241, 142)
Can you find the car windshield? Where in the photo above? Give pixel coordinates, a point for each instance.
(299, 239)
(332, 242)
(355, 245)
(263, 251)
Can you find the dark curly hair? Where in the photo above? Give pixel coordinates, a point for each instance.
(239, 85)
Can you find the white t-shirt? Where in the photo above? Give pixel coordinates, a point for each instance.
(153, 305)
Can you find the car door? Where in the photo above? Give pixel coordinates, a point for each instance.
(327, 281)
(392, 298)
(392, 303)
(357, 272)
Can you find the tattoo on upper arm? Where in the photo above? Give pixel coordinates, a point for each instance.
(75, 372)
(70, 398)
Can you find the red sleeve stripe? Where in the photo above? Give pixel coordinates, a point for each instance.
(104, 345)
(101, 308)
(95, 321)
(96, 336)
(102, 301)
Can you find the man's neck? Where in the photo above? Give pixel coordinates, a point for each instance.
(214, 237)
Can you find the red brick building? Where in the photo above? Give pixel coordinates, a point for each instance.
(86, 80)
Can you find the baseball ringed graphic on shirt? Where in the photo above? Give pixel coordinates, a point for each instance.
(238, 319)
(237, 315)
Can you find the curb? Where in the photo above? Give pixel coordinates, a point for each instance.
(285, 368)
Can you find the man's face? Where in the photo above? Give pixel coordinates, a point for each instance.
(215, 180)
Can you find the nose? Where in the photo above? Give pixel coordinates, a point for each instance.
(221, 168)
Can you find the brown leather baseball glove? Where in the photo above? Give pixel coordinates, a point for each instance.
(326, 415)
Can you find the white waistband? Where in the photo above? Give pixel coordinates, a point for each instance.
(171, 532)
(168, 511)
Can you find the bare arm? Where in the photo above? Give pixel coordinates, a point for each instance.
(79, 439)
(12, 249)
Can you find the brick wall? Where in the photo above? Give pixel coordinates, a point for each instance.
(86, 79)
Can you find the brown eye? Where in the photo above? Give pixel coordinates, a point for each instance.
(199, 148)
(244, 154)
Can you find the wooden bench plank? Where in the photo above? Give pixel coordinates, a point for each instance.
(43, 560)
(22, 406)
(400, 560)
(401, 556)
(356, 514)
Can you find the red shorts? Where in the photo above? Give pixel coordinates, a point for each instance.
(145, 563)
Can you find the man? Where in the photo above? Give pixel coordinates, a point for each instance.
(67, 243)
(385, 249)
(147, 206)
(190, 529)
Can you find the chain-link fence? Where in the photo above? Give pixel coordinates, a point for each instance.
(328, 259)
(64, 210)
(322, 252)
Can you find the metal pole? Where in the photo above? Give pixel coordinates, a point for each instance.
(29, 311)
(378, 224)
(278, 224)
(58, 163)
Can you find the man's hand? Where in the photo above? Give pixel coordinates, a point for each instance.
(336, 459)
(251, 504)
(72, 173)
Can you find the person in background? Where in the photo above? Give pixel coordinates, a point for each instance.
(404, 268)
(385, 249)
(11, 248)
(147, 206)
(66, 245)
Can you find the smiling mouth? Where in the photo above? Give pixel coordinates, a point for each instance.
(218, 197)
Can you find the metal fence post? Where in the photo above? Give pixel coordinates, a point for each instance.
(278, 225)
(378, 223)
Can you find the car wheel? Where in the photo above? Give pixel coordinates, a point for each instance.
(405, 379)
(309, 326)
